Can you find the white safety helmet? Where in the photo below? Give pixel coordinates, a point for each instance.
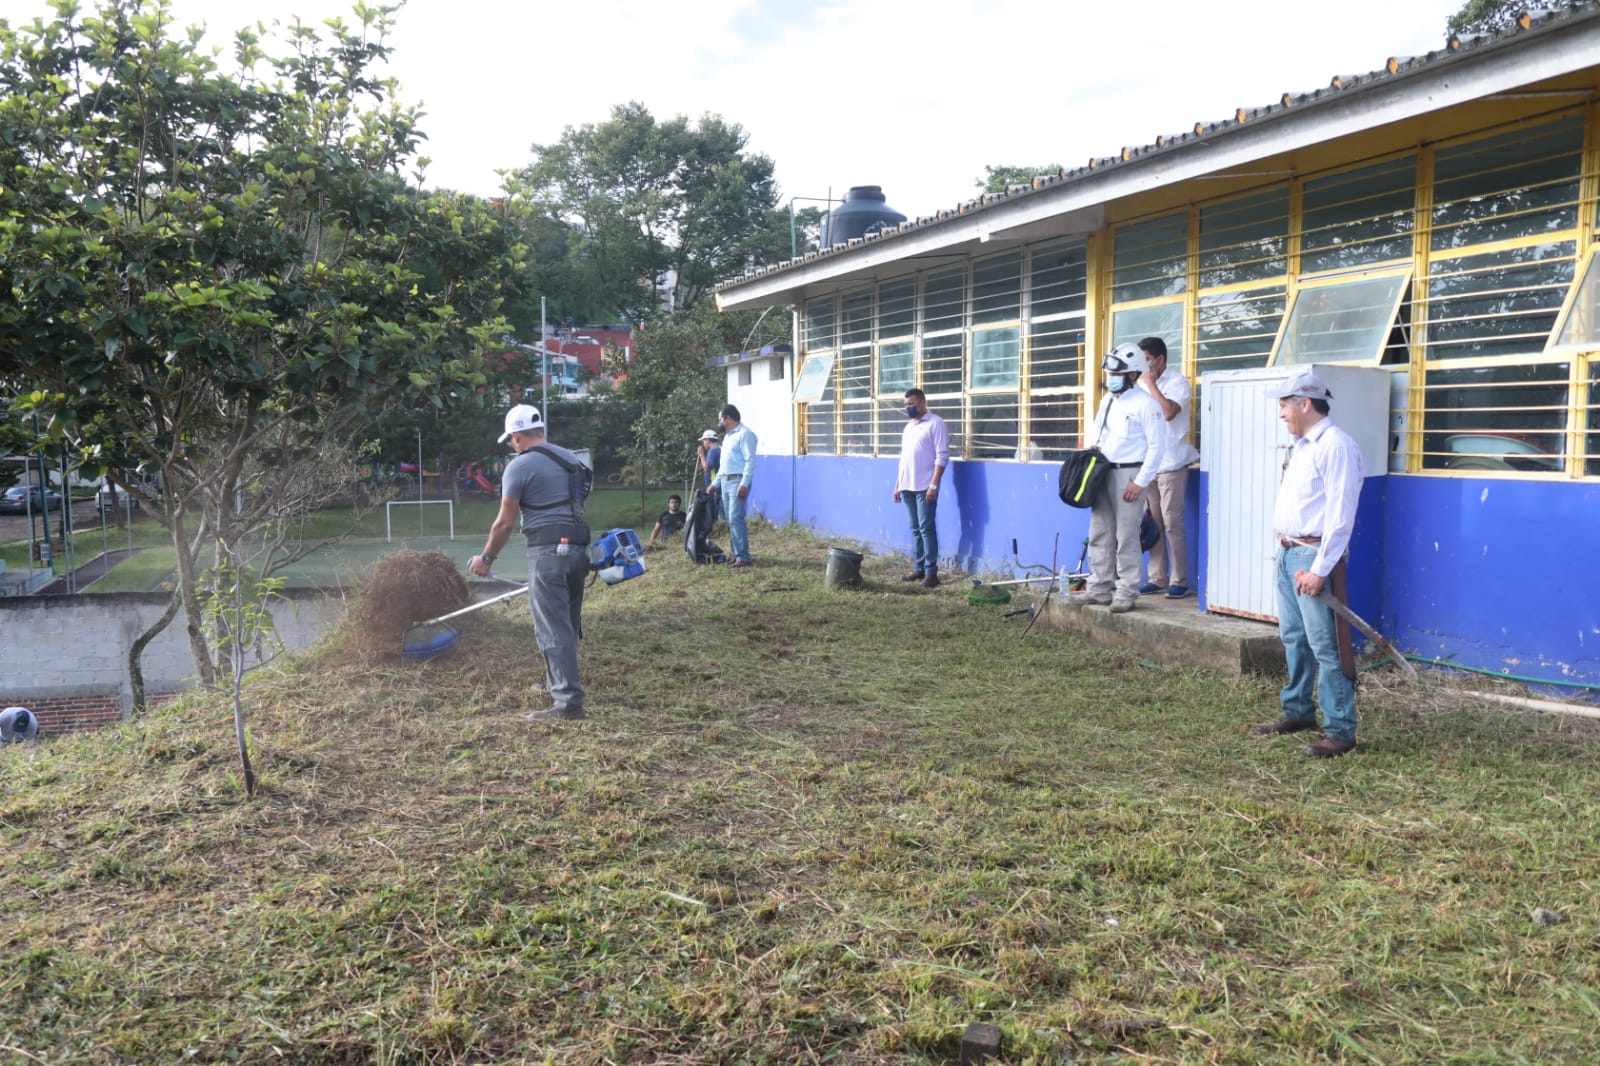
(1126, 358)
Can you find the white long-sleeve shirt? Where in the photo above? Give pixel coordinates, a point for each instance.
(1134, 432)
(1320, 491)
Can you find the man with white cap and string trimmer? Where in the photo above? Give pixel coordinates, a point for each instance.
(1312, 521)
(542, 493)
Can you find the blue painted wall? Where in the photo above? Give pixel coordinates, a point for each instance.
(1493, 574)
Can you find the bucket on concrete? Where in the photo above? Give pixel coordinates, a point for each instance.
(844, 568)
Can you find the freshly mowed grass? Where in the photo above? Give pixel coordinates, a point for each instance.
(800, 826)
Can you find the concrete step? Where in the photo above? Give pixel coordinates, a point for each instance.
(1175, 633)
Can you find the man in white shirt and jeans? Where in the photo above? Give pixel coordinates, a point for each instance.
(1165, 496)
(1131, 433)
(924, 453)
(1312, 520)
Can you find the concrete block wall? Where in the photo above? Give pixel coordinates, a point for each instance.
(66, 656)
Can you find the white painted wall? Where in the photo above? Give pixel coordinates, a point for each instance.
(764, 403)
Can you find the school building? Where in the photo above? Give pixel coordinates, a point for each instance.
(1432, 223)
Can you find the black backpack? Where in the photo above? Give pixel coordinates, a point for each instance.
(1081, 477)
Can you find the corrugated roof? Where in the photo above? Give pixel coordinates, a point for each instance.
(1396, 67)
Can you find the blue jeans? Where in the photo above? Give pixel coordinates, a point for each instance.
(738, 535)
(555, 596)
(924, 532)
(1305, 624)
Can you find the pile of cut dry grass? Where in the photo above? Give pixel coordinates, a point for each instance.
(400, 589)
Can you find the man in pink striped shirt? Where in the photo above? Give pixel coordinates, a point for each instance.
(924, 453)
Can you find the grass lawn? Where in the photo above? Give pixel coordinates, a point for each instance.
(359, 539)
(799, 826)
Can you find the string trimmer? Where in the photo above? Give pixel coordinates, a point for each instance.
(424, 640)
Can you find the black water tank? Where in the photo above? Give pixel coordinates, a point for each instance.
(863, 211)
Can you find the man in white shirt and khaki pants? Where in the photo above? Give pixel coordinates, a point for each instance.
(1169, 560)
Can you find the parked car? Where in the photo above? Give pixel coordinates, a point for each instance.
(15, 499)
(125, 502)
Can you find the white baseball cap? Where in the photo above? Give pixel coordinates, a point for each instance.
(709, 434)
(1305, 384)
(520, 419)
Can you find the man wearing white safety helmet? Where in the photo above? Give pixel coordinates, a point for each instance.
(1130, 430)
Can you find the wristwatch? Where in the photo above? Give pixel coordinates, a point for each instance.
(486, 557)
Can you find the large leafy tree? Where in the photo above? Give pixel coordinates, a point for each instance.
(648, 201)
(1485, 16)
(225, 278)
(677, 393)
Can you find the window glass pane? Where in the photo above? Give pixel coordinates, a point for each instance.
(1060, 277)
(1582, 327)
(1236, 330)
(943, 300)
(1150, 259)
(1245, 240)
(1134, 324)
(1501, 303)
(994, 427)
(1343, 322)
(820, 439)
(855, 318)
(949, 408)
(1591, 447)
(1517, 184)
(997, 289)
(820, 415)
(816, 379)
(891, 423)
(942, 363)
(1495, 418)
(1358, 217)
(1055, 356)
(897, 308)
(821, 323)
(855, 372)
(996, 358)
(855, 429)
(894, 368)
(1054, 425)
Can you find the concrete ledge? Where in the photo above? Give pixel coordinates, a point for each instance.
(1175, 633)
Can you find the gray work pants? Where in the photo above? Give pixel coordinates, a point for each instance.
(555, 596)
(1114, 556)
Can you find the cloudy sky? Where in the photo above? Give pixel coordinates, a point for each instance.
(914, 95)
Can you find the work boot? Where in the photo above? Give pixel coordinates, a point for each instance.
(931, 581)
(1284, 725)
(1329, 748)
(1083, 599)
(912, 575)
(554, 714)
(1121, 606)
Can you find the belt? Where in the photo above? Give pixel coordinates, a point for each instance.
(1296, 542)
(1126, 466)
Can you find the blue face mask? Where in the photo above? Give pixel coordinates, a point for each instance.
(1117, 383)
(911, 410)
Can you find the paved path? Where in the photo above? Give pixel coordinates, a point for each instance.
(92, 570)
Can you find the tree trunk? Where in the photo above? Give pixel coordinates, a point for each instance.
(194, 621)
(135, 671)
